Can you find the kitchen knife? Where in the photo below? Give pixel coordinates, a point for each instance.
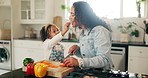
(67, 56)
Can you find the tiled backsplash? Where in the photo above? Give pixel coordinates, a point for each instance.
(114, 24)
(116, 33)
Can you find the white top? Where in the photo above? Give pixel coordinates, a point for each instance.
(49, 43)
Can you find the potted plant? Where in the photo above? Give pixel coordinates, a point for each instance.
(64, 7)
(138, 4)
(129, 30)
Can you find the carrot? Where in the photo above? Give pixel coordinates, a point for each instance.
(62, 64)
(49, 65)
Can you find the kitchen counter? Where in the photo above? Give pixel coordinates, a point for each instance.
(18, 74)
(21, 74)
(117, 43)
(38, 39)
(114, 43)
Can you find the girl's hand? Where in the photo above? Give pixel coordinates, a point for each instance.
(67, 25)
(73, 49)
(66, 28)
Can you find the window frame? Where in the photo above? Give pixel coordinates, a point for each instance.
(67, 2)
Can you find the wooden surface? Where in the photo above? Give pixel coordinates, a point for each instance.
(56, 72)
(24, 68)
(60, 71)
(57, 20)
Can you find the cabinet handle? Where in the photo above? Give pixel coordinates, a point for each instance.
(140, 52)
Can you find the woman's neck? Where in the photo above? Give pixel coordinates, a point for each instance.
(83, 28)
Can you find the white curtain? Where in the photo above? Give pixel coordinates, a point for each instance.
(146, 9)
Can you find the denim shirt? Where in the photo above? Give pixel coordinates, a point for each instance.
(95, 47)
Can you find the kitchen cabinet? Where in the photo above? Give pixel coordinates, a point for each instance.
(27, 49)
(138, 59)
(36, 11)
(120, 53)
(32, 49)
(5, 2)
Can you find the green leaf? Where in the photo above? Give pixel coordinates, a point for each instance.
(136, 33)
(134, 23)
(132, 33)
(120, 26)
(129, 26)
(143, 0)
(63, 7)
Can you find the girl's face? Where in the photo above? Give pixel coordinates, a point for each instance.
(54, 30)
(72, 17)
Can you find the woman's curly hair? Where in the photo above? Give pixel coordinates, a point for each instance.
(44, 32)
(85, 15)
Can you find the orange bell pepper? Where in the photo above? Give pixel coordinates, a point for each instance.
(40, 69)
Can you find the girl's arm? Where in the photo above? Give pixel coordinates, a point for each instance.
(48, 43)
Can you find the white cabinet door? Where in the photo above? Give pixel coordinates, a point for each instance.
(138, 59)
(5, 2)
(22, 53)
(27, 49)
(36, 11)
(118, 52)
(138, 65)
(19, 55)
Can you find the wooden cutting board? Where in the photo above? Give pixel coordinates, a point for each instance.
(57, 20)
(56, 72)
(60, 71)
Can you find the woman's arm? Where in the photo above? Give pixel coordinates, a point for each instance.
(102, 46)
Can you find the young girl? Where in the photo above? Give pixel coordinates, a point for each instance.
(51, 35)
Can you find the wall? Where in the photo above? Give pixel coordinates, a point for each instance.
(116, 33)
(57, 12)
(5, 17)
(113, 23)
(36, 27)
(18, 30)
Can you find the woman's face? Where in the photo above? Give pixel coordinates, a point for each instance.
(72, 17)
(54, 30)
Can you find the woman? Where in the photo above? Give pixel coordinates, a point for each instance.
(95, 39)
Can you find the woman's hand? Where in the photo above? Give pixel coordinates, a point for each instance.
(71, 62)
(73, 49)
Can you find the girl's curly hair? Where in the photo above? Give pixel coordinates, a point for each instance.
(44, 32)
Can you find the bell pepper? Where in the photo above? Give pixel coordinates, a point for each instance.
(40, 69)
(30, 69)
(26, 61)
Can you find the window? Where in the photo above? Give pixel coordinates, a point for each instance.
(130, 8)
(106, 8)
(114, 8)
